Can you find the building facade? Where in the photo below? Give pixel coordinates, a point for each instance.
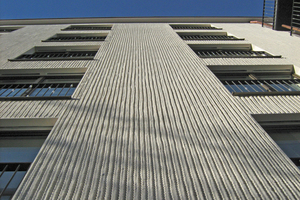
(148, 108)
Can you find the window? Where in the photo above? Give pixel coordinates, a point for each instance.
(207, 36)
(284, 129)
(76, 37)
(229, 51)
(58, 53)
(194, 26)
(7, 29)
(258, 79)
(39, 84)
(20, 142)
(87, 27)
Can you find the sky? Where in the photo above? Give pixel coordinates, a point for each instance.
(32, 9)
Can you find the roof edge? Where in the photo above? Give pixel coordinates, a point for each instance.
(129, 20)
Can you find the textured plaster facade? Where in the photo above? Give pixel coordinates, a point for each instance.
(149, 120)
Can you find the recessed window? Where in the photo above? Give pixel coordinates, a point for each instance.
(194, 26)
(284, 129)
(39, 84)
(230, 51)
(20, 142)
(76, 37)
(58, 53)
(258, 79)
(87, 27)
(207, 36)
(7, 29)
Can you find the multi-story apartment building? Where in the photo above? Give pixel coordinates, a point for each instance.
(148, 108)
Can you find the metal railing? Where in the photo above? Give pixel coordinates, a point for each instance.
(295, 18)
(192, 27)
(269, 8)
(71, 28)
(56, 56)
(263, 87)
(7, 29)
(233, 54)
(26, 91)
(208, 37)
(75, 38)
(9, 174)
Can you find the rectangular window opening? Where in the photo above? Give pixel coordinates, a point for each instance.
(230, 51)
(76, 38)
(87, 27)
(194, 26)
(47, 53)
(39, 84)
(207, 36)
(8, 29)
(284, 129)
(254, 80)
(20, 142)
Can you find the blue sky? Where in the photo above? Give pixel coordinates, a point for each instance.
(29, 9)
